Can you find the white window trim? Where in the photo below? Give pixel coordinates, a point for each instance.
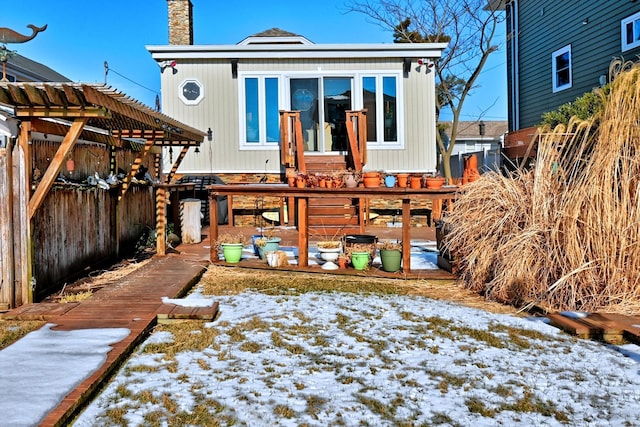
(623, 33)
(380, 142)
(189, 101)
(284, 102)
(554, 55)
(262, 144)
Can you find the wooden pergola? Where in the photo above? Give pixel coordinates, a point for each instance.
(74, 111)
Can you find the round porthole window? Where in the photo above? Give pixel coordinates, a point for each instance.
(191, 91)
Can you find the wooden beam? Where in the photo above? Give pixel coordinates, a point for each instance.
(134, 169)
(176, 165)
(138, 133)
(63, 112)
(55, 166)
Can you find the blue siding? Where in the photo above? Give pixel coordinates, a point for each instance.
(548, 25)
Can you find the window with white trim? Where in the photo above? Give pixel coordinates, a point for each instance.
(630, 32)
(561, 69)
(330, 94)
(261, 124)
(380, 98)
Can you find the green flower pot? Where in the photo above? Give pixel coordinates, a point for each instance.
(232, 252)
(391, 259)
(360, 260)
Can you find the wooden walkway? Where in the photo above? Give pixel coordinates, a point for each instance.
(608, 327)
(134, 303)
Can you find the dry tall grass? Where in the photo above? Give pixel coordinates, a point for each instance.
(564, 235)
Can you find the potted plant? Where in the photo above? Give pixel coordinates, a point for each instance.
(231, 245)
(360, 259)
(390, 255)
(434, 181)
(267, 243)
(351, 178)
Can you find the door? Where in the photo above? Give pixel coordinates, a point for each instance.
(323, 124)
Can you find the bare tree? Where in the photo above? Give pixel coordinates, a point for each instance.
(469, 26)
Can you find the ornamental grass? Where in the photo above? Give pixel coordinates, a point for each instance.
(564, 235)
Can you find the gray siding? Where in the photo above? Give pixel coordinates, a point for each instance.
(546, 26)
(218, 110)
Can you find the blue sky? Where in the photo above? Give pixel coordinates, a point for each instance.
(82, 35)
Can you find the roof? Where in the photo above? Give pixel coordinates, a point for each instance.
(112, 115)
(35, 70)
(275, 36)
(276, 47)
(471, 129)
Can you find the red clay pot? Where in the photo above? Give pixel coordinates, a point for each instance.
(403, 179)
(434, 182)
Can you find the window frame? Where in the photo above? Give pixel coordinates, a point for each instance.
(554, 70)
(284, 77)
(624, 46)
(200, 96)
(262, 143)
(380, 111)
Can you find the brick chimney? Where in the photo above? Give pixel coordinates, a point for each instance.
(180, 22)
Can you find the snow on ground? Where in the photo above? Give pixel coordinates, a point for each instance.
(383, 360)
(37, 371)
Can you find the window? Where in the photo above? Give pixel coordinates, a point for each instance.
(190, 92)
(261, 125)
(322, 99)
(380, 98)
(630, 28)
(561, 68)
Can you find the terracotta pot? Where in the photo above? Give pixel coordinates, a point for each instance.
(292, 181)
(371, 181)
(416, 181)
(301, 182)
(403, 179)
(434, 182)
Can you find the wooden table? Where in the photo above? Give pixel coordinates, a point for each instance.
(301, 198)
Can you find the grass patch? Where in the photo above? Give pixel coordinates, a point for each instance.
(13, 330)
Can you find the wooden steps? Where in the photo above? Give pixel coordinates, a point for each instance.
(331, 217)
(172, 313)
(608, 327)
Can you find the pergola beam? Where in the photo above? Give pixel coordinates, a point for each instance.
(55, 166)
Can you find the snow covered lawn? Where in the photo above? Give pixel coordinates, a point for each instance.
(337, 358)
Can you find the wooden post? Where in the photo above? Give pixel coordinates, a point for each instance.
(7, 290)
(161, 220)
(303, 238)
(22, 218)
(406, 235)
(213, 226)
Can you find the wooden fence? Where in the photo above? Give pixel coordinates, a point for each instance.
(77, 227)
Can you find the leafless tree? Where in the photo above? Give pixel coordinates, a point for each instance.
(469, 26)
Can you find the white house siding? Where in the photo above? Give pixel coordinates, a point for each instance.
(218, 110)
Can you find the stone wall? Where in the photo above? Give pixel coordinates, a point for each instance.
(180, 22)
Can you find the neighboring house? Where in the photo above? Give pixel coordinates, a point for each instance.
(237, 91)
(21, 69)
(482, 138)
(559, 50)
